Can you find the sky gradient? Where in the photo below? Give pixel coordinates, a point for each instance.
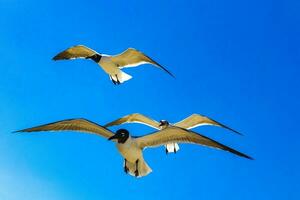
(234, 61)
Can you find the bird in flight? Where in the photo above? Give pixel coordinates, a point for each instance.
(111, 64)
(190, 122)
(131, 147)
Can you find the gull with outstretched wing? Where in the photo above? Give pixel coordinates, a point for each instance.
(190, 122)
(131, 147)
(111, 64)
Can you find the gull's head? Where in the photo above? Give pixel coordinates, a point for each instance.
(163, 123)
(121, 136)
(95, 57)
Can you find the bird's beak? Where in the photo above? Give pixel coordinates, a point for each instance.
(113, 137)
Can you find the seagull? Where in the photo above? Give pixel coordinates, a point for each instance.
(190, 122)
(112, 65)
(131, 147)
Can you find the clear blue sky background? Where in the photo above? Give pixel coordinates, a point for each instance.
(235, 61)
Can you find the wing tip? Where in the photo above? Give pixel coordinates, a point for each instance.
(171, 74)
(224, 126)
(60, 56)
(55, 58)
(239, 153)
(248, 157)
(163, 68)
(159, 65)
(20, 131)
(237, 132)
(251, 158)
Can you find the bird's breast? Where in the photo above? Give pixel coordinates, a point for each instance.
(129, 150)
(108, 65)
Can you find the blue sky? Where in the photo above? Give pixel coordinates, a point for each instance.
(235, 61)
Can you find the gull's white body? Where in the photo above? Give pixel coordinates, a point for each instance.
(130, 147)
(111, 64)
(131, 152)
(108, 65)
(113, 70)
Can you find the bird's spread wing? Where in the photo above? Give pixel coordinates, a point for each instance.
(80, 125)
(135, 118)
(180, 135)
(132, 58)
(196, 120)
(79, 51)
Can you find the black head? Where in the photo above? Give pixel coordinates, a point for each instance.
(121, 136)
(163, 123)
(96, 57)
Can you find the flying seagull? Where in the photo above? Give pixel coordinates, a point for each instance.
(112, 65)
(131, 147)
(190, 122)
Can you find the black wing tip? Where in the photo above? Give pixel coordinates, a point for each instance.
(171, 74)
(226, 148)
(58, 57)
(20, 131)
(165, 70)
(27, 130)
(250, 158)
(237, 132)
(237, 152)
(245, 156)
(227, 127)
(158, 65)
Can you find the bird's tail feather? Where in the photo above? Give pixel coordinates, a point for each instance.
(124, 77)
(172, 147)
(120, 77)
(143, 168)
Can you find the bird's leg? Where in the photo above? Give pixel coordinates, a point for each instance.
(114, 82)
(125, 166)
(118, 82)
(167, 151)
(174, 148)
(136, 172)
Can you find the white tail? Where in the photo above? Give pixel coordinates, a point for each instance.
(121, 77)
(172, 147)
(143, 168)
